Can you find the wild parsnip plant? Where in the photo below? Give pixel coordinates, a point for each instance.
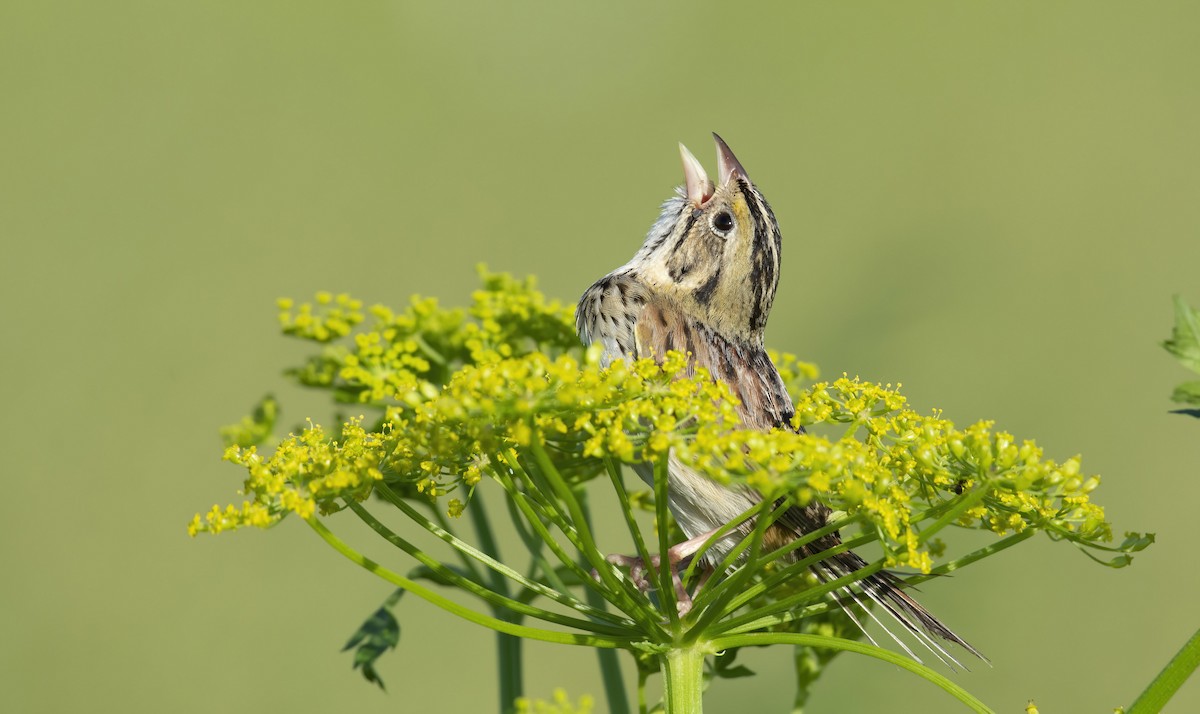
(500, 397)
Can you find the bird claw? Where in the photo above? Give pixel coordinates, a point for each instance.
(637, 574)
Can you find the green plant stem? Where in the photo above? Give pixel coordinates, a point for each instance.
(619, 589)
(778, 611)
(967, 501)
(1170, 679)
(610, 668)
(532, 633)
(683, 678)
(502, 605)
(536, 515)
(537, 511)
(988, 550)
(643, 705)
(664, 571)
(716, 590)
(499, 569)
(746, 594)
(539, 563)
(614, 475)
(719, 605)
(510, 669)
(770, 638)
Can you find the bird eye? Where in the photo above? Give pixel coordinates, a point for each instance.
(722, 222)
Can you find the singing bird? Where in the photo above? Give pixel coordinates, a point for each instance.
(703, 283)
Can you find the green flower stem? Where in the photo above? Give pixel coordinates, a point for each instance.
(643, 705)
(533, 506)
(539, 563)
(1170, 679)
(532, 633)
(618, 591)
(797, 569)
(488, 544)
(430, 352)
(510, 660)
(683, 679)
(439, 517)
(940, 570)
(499, 601)
(614, 475)
(714, 591)
(610, 668)
(666, 586)
(500, 570)
(776, 612)
(737, 552)
(586, 544)
(965, 503)
(718, 606)
(980, 554)
(536, 512)
(645, 617)
(770, 638)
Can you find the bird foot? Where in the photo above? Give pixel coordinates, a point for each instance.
(678, 558)
(638, 572)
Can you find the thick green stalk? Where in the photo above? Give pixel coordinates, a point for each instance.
(610, 668)
(1170, 679)
(510, 659)
(683, 679)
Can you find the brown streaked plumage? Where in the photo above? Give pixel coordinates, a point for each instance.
(703, 283)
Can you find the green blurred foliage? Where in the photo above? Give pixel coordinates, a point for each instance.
(987, 202)
(1184, 343)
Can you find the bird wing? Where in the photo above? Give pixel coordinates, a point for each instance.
(764, 403)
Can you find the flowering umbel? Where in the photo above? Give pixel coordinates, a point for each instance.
(451, 401)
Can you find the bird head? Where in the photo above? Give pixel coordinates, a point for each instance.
(714, 251)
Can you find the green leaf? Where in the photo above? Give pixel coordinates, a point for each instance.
(378, 634)
(255, 429)
(1187, 393)
(1185, 338)
(723, 667)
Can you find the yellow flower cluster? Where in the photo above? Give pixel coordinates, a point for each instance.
(307, 472)
(406, 355)
(460, 393)
(560, 705)
(331, 318)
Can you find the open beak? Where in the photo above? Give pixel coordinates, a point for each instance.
(699, 187)
(727, 164)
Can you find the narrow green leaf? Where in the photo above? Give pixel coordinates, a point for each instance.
(254, 429)
(378, 634)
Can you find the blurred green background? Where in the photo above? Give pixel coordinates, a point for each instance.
(990, 202)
